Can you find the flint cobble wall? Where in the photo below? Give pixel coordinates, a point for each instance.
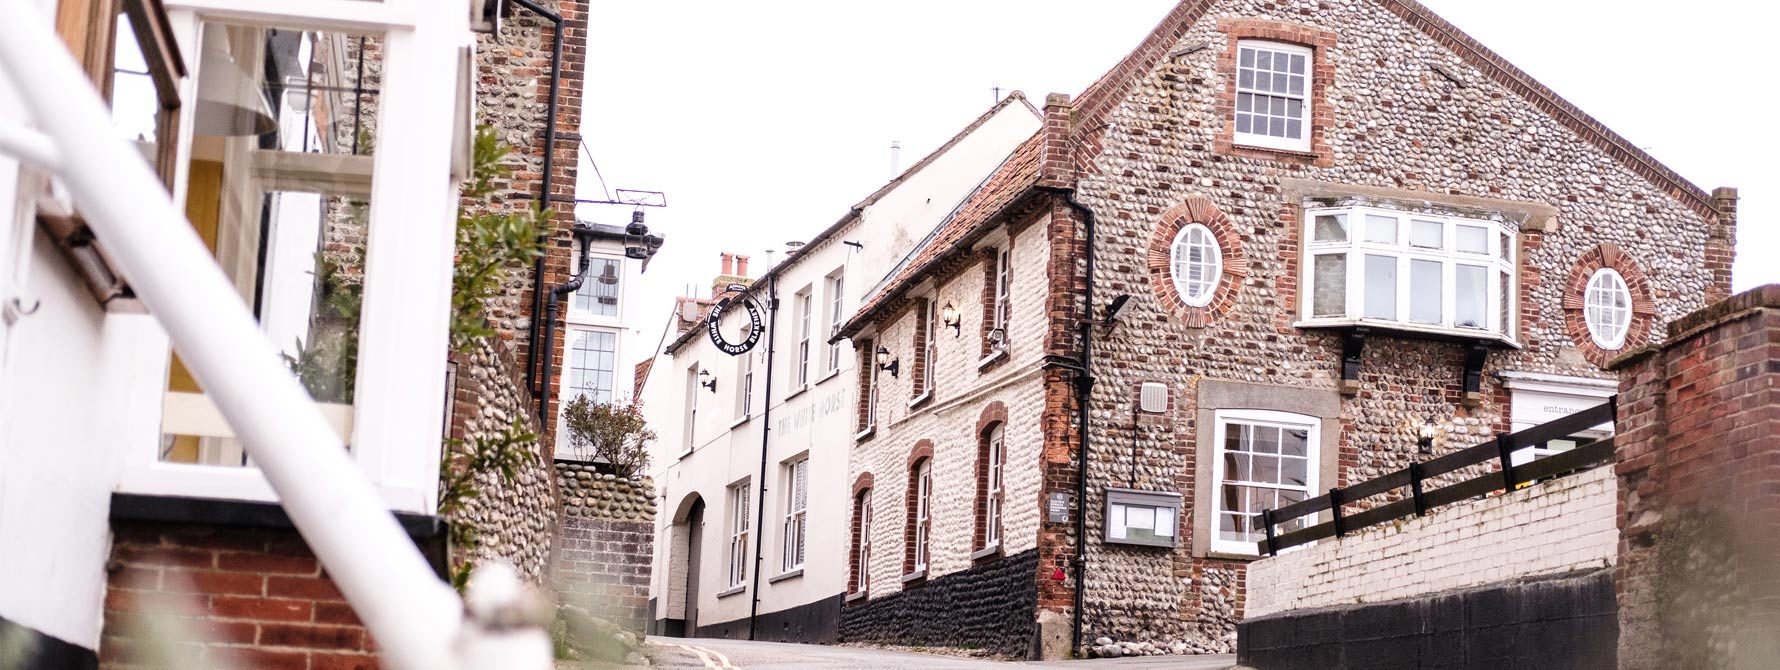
(603, 551)
(989, 607)
(1561, 525)
(513, 520)
(1405, 113)
(950, 420)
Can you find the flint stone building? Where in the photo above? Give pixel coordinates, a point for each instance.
(1270, 248)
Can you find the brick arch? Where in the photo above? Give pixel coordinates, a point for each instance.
(1643, 318)
(862, 482)
(923, 452)
(996, 412)
(922, 449)
(1200, 210)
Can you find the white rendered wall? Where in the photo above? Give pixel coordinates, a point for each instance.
(816, 419)
(1555, 526)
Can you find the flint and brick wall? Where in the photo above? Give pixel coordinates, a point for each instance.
(1405, 113)
(1559, 525)
(187, 596)
(514, 520)
(988, 607)
(604, 546)
(1699, 491)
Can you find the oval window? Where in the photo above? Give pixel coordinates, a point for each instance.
(1196, 263)
(1608, 309)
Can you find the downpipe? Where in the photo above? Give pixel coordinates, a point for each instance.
(766, 427)
(544, 191)
(558, 293)
(1084, 389)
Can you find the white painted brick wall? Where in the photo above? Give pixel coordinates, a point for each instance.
(1555, 526)
(949, 419)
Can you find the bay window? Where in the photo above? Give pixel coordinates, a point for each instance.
(1413, 271)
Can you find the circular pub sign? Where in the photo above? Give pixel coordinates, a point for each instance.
(747, 339)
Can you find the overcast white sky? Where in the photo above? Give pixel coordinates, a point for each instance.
(764, 121)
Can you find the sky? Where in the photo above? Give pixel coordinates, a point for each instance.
(764, 122)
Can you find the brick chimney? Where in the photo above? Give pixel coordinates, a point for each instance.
(734, 270)
(1056, 167)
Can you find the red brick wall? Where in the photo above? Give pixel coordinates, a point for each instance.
(224, 597)
(1699, 491)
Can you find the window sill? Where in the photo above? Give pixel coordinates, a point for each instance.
(831, 374)
(855, 597)
(866, 434)
(738, 422)
(796, 392)
(1229, 555)
(986, 554)
(794, 574)
(1249, 143)
(920, 400)
(732, 591)
(914, 578)
(1435, 332)
(682, 455)
(994, 357)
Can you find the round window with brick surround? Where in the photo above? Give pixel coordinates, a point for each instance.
(1196, 263)
(1608, 309)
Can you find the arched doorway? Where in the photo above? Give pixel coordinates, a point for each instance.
(687, 533)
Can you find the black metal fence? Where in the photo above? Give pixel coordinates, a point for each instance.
(1419, 501)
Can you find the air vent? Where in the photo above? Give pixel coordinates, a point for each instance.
(1152, 397)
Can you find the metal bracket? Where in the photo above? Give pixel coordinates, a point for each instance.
(1352, 345)
(1475, 356)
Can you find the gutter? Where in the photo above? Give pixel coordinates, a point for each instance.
(544, 190)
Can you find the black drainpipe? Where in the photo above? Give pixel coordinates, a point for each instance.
(766, 427)
(1084, 388)
(556, 298)
(531, 354)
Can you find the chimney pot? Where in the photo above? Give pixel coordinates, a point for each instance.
(741, 265)
(728, 264)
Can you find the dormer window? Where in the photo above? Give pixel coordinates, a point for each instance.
(1273, 95)
(1414, 271)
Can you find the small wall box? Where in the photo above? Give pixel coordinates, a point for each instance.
(1143, 518)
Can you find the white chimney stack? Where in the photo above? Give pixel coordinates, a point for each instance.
(895, 158)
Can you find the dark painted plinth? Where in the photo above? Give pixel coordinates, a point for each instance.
(993, 606)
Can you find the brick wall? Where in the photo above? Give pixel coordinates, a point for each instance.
(604, 545)
(1699, 491)
(1556, 526)
(202, 595)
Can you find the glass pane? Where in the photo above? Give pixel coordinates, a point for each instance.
(1427, 234)
(1381, 229)
(1295, 129)
(1470, 296)
(598, 295)
(592, 358)
(1278, 127)
(1236, 466)
(1292, 471)
(1165, 522)
(1427, 289)
(1381, 287)
(1507, 250)
(1243, 123)
(1472, 239)
(1294, 442)
(1506, 324)
(1331, 228)
(1329, 278)
(1264, 60)
(1297, 64)
(1235, 437)
(1138, 517)
(1266, 469)
(1246, 79)
(1297, 84)
(1265, 440)
(135, 107)
(1248, 57)
(1259, 499)
(1245, 102)
(1232, 498)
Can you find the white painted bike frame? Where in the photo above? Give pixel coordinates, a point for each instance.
(417, 620)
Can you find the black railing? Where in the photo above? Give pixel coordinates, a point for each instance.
(1420, 501)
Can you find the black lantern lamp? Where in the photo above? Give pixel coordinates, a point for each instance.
(1425, 437)
(638, 243)
(705, 380)
(949, 315)
(886, 364)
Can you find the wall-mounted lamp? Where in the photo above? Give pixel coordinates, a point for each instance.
(949, 315)
(1424, 441)
(705, 380)
(884, 362)
(1113, 309)
(609, 276)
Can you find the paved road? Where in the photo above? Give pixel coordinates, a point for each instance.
(726, 654)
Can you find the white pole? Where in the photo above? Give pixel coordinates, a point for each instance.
(29, 146)
(413, 616)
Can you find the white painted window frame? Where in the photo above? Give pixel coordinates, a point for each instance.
(1498, 259)
(930, 345)
(864, 567)
(1180, 264)
(745, 386)
(796, 527)
(835, 286)
(1610, 335)
(1222, 421)
(737, 504)
(403, 328)
(805, 301)
(568, 393)
(923, 513)
(1251, 139)
(992, 498)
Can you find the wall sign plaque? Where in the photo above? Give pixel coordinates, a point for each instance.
(714, 324)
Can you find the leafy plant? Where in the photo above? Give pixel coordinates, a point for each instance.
(489, 244)
(613, 433)
(327, 365)
(459, 465)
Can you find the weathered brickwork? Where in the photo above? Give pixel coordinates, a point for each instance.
(989, 607)
(183, 595)
(514, 520)
(1699, 490)
(604, 545)
(1556, 526)
(1405, 112)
